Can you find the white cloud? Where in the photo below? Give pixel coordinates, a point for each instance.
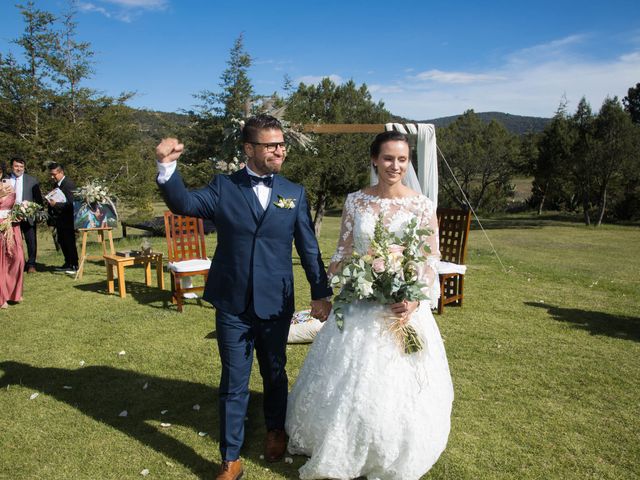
(385, 89)
(555, 49)
(315, 79)
(90, 7)
(531, 81)
(145, 4)
(455, 77)
(123, 10)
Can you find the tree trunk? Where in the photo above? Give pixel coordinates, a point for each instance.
(585, 208)
(603, 205)
(320, 208)
(541, 204)
(544, 194)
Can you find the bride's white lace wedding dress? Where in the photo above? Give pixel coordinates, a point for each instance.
(361, 406)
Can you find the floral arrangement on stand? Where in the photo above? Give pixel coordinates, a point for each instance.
(388, 273)
(96, 207)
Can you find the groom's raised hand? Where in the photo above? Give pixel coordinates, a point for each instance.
(320, 309)
(168, 150)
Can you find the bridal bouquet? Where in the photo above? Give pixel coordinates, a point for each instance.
(19, 212)
(26, 210)
(388, 273)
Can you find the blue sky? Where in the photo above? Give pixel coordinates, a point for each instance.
(424, 59)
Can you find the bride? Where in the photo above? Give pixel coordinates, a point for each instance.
(361, 407)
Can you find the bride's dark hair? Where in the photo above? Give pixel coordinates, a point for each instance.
(391, 136)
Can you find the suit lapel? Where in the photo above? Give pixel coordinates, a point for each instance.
(244, 185)
(276, 190)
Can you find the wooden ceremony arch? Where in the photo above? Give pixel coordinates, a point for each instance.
(343, 128)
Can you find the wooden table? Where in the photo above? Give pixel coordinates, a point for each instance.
(118, 263)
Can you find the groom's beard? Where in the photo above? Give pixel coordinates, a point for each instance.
(266, 166)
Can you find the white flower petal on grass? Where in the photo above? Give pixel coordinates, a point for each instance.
(202, 434)
(82, 363)
(123, 413)
(122, 353)
(34, 396)
(165, 425)
(196, 407)
(67, 387)
(145, 386)
(144, 472)
(261, 457)
(288, 460)
(162, 412)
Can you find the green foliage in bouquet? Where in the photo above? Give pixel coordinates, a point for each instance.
(388, 273)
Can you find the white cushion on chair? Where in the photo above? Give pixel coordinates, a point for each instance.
(190, 265)
(448, 267)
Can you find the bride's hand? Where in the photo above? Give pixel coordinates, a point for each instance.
(404, 309)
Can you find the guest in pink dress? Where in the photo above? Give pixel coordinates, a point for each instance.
(11, 254)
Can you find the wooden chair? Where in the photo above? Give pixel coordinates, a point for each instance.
(453, 226)
(186, 253)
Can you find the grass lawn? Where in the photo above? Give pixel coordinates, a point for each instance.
(544, 358)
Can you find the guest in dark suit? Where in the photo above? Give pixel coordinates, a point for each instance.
(62, 217)
(27, 188)
(258, 215)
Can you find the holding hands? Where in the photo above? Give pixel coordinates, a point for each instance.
(320, 309)
(169, 150)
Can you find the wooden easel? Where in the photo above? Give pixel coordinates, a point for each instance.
(101, 237)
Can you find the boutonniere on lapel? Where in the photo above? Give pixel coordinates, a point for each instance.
(287, 203)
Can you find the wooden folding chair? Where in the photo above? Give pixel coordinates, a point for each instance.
(186, 253)
(453, 226)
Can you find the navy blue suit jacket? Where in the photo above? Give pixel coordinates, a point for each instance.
(252, 260)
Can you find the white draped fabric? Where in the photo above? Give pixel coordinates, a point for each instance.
(427, 155)
(427, 172)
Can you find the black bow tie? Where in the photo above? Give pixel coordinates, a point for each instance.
(267, 181)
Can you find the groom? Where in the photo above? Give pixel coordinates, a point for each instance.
(258, 214)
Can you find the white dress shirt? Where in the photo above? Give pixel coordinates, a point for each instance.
(261, 190)
(17, 186)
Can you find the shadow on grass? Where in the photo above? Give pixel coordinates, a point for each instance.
(597, 323)
(150, 296)
(102, 392)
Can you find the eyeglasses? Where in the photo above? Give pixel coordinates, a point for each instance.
(271, 147)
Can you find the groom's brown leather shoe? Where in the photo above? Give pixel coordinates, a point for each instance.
(230, 470)
(276, 445)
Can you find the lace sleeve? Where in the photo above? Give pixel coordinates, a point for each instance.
(430, 220)
(345, 241)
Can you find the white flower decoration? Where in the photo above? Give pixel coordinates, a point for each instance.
(287, 203)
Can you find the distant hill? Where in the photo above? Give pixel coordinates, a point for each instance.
(517, 124)
(157, 124)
